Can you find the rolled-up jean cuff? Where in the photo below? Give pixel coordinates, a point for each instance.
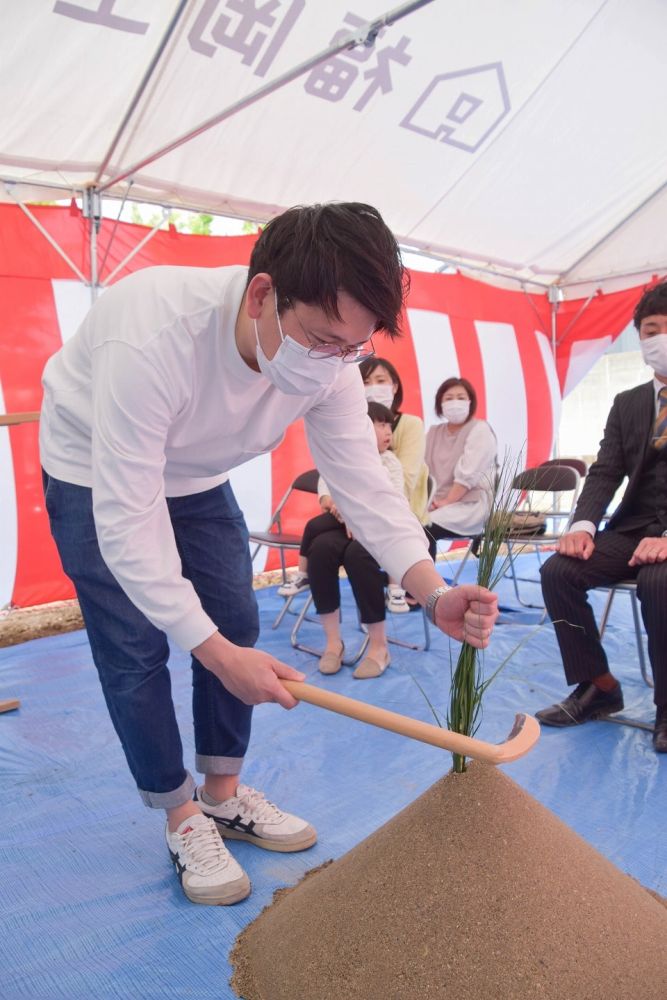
(170, 800)
(218, 765)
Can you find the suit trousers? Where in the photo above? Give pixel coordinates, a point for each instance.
(565, 585)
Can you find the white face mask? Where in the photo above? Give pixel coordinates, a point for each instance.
(380, 393)
(291, 369)
(654, 353)
(456, 410)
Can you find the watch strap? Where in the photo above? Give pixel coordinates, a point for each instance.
(432, 600)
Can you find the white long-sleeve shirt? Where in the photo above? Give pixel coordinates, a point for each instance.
(390, 464)
(151, 399)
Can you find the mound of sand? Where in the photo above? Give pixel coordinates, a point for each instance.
(473, 892)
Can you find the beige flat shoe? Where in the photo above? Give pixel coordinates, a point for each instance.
(371, 668)
(330, 663)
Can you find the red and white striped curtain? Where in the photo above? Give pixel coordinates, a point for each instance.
(500, 340)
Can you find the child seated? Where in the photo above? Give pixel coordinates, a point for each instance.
(331, 520)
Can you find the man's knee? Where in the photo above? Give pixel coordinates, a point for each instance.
(560, 574)
(553, 570)
(652, 583)
(238, 622)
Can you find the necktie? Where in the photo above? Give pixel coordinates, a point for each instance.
(660, 426)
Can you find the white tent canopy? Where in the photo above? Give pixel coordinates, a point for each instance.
(523, 137)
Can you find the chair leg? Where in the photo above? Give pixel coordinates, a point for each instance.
(347, 660)
(639, 635)
(412, 645)
(648, 680)
(455, 578)
(605, 613)
(533, 579)
(283, 611)
(515, 580)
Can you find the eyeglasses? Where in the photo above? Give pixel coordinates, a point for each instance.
(353, 355)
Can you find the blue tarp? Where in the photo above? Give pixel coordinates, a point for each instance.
(90, 905)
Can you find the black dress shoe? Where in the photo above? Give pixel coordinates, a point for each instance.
(660, 731)
(586, 702)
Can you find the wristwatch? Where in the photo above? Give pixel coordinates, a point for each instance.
(432, 600)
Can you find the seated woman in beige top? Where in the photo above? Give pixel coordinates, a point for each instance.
(461, 457)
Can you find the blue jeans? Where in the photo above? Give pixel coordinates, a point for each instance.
(131, 654)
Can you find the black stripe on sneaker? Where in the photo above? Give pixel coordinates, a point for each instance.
(177, 865)
(237, 824)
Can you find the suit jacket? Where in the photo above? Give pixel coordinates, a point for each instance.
(623, 452)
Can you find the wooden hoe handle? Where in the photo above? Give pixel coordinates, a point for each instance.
(524, 734)
(11, 419)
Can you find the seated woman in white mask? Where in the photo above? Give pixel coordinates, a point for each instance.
(461, 456)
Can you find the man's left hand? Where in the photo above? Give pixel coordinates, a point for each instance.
(467, 613)
(649, 550)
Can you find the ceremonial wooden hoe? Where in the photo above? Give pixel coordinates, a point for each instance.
(524, 733)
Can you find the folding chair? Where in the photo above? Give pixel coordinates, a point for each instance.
(557, 480)
(275, 538)
(302, 616)
(575, 463)
(627, 587)
(352, 658)
(442, 535)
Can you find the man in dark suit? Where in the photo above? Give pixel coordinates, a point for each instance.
(632, 546)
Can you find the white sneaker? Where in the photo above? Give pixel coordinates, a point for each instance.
(205, 868)
(295, 585)
(396, 601)
(248, 816)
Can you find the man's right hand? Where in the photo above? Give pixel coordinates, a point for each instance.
(251, 675)
(576, 545)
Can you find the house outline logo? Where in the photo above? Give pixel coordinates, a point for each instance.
(461, 108)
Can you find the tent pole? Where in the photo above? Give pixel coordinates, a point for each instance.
(128, 257)
(619, 225)
(461, 265)
(575, 319)
(555, 295)
(140, 89)
(364, 35)
(539, 318)
(47, 236)
(92, 210)
(643, 274)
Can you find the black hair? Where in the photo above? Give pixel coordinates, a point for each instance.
(451, 383)
(313, 252)
(652, 303)
(380, 414)
(368, 367)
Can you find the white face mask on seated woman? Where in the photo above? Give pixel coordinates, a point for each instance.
(456, 410)
(379, 393)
